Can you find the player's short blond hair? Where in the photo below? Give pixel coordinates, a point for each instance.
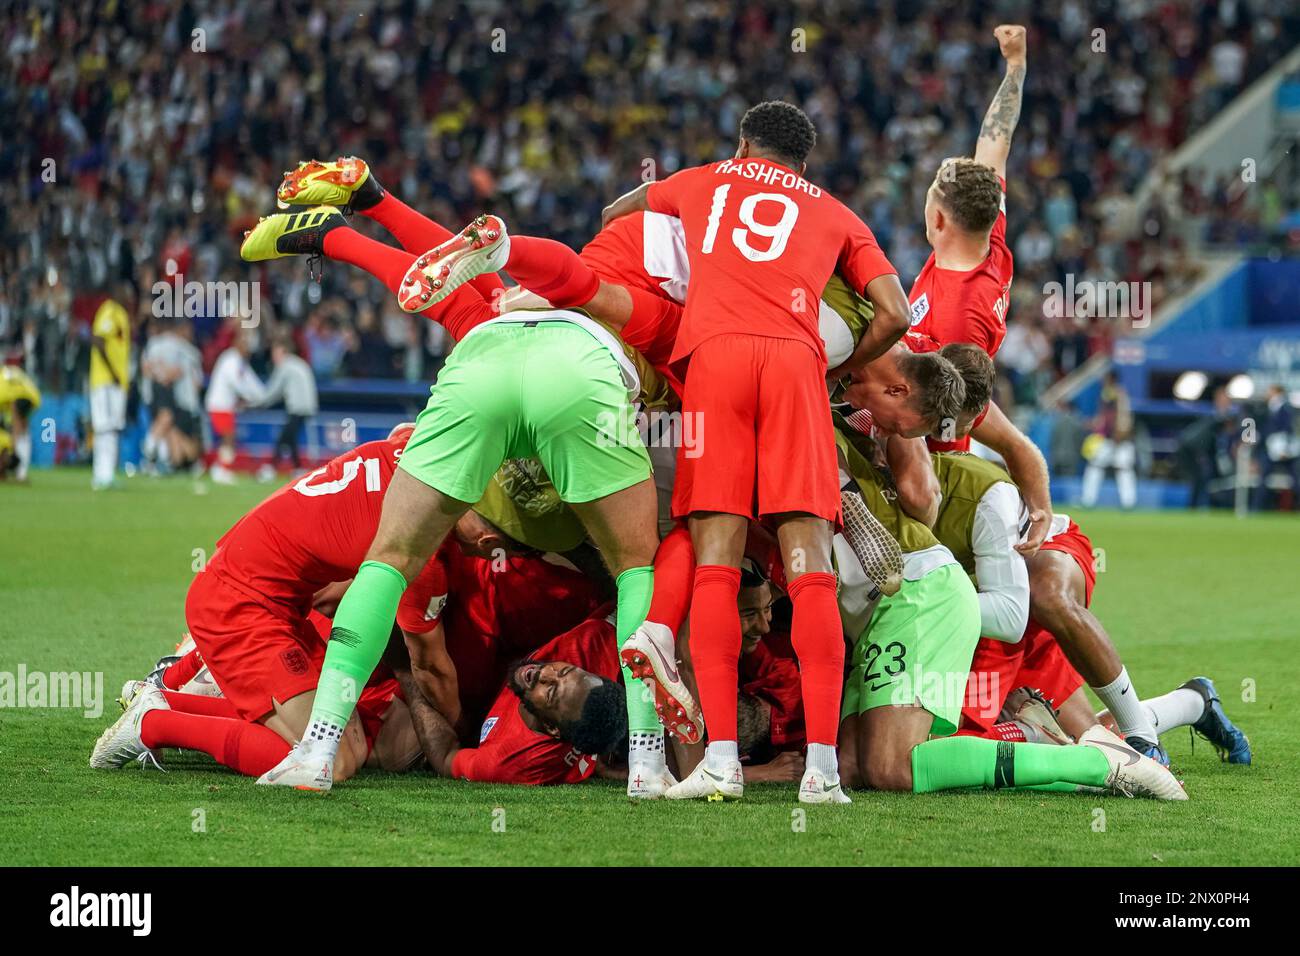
(970, 193)
(938, 389)
(977, 373)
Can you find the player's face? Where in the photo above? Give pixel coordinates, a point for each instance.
(890, 405)
(755, 605)
(553, 690)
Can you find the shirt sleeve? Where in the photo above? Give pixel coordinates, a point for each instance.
(666, 195)
(490, 764)
(861, 258)
(424, 599)
(999, 568)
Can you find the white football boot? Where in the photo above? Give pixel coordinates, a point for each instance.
(816, 788)
(1132, 774)
(305, 767)
(727, 785)
(120, 744)
(202, 684)
(646, 782)
(482, 246)
(1028, 706)
(651, 656)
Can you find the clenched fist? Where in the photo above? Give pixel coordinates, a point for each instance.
(1011, 40)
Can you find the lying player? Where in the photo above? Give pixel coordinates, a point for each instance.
(248, 612)
(559, 711)
(911, 660)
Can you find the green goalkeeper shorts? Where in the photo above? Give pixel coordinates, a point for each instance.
(917, 649)
(548, 390)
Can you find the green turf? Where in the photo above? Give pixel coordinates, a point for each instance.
(96, 582)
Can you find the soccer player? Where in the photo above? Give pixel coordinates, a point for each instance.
(1113, 447)
(962, 292)
(248, 609)
(110, 339)
(19, 397)
(559, 711)
(554, 385)
(762, 243)
(911, 659)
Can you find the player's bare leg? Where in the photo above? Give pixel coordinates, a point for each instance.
(625, 527)
(1075, 715)
(1057, 600)
(415, 519)
(886, 737)
(816, 634)
(719, 542)
(291, 718)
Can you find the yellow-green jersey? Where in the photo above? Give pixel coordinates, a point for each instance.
(964, 480)
(843, 318)
(979, 522)
(17, 386)
(521, 501)
(922, 551)
(113, 325)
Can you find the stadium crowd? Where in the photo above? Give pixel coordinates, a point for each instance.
(137, 159)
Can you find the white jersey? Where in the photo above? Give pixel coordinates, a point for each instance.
(233, 381)
(999, 568)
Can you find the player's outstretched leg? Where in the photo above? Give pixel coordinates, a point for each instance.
(1058, 601)
(481, 247)
(349, 182)
(1101, 760)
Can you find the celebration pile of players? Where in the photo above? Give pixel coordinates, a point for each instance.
(724, 400)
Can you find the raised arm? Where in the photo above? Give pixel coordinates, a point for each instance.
(1004, 112)
(1028, 469)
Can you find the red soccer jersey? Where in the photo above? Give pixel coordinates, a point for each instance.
(762, 242)
(967, 306)
(317, 530)
(508, 750)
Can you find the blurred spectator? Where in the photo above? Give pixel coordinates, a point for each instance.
(233, 383)
(1277, 452)
(1112, 445)
(293, 383)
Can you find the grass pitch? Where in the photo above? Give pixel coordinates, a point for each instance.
(96, 582)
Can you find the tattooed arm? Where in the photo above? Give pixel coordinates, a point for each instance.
(437, 738)
(1004, 112)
